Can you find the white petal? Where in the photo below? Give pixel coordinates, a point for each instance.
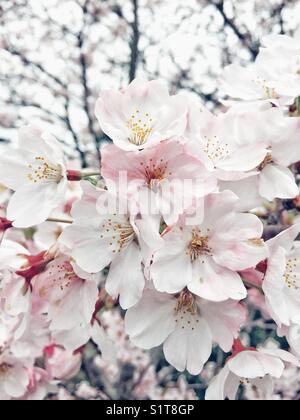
(213, 282)
(152, 320)
(189, 347)
(277, 182)
(126, 278)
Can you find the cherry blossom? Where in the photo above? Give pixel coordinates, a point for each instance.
(206, 255)
(273, 78)
(68, 301)
(162, 172)
(281, 282)
(142, 115)
(36, 172)
(227, 140)
(161, 241)
(14, 377)
(62, 364)
(98, 240)
(250, 367)
(187, 327)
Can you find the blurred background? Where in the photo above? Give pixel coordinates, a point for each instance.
(56, 56)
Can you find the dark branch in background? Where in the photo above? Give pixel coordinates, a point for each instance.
(84, 81)
(245, 38)
(66, 118)
(184, 81)
(38, 66)
(278, 12)
(135, 39)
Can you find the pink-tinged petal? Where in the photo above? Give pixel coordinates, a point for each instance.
(141, 92)
(147, 104)
(89, 251)
(172, 120)
(72, 339)
(232, 386)
(31, 139)
(284, 239)
(17, 381)
(189, 348)
(217, 205)
(152, 320)
(239, 83)
(225, 320)
(148, 235)
(285, 356)
(214, 282)
(110, 114)
(104, 343)
(32, 204)
(293, 337)
(237, 245)
(216, 390)
(277, 182)
(171, 270)
(85, 208)
(126, 278)
(274, 286)
(245, 158)
(14, 169)
(254, 364)
(286, 150)
(247, 191)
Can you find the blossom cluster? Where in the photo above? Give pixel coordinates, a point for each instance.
(167, 228)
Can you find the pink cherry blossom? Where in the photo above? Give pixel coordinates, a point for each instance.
(97, 240)
(226, 140)
(142, 115)
(281, 284)
(68, 301)
(187, 327)
(36, 172)
(163, 173)
(250, 367)
(205, 254)
(14, 377)
(62, 364)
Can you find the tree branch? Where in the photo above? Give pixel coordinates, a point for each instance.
(134, 44)
(245, 39)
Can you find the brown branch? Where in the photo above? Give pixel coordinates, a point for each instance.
(134, 44)
(84, 81)
(38, 66)
(245, 39)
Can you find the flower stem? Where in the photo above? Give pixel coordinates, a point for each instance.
(298, 105)
(56, 220)
(88, 174)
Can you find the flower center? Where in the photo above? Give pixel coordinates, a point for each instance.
(4, 369)
(256, 241)
(289, 276)
(186, 311)
(268, 91)
(267, 160)
(141, 127)
(155, 172)
(119, 234)
(214, 148)
(199, 245)
(186, 302)
(42, 171)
